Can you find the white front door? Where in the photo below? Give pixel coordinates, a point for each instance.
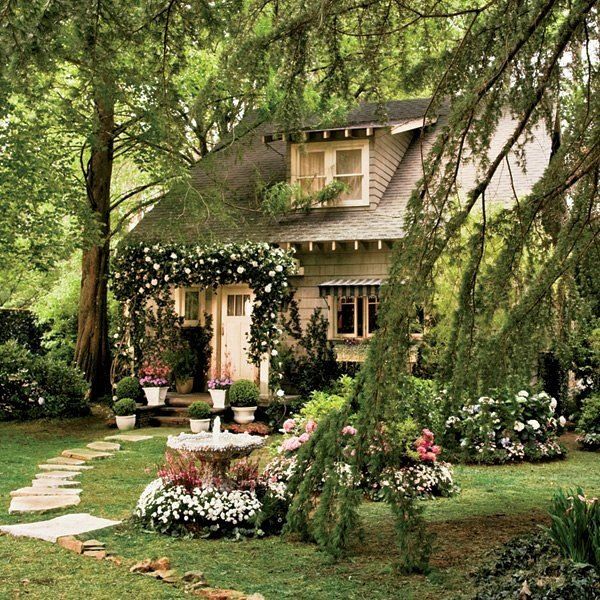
(236, 312)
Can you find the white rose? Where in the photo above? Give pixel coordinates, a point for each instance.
(279, 268)
(156, 266)
(271, 273)
(240, 270)
(562, 421)
(533, 424)
(519, 426)
(280, 393)
(187, 270)
(553, 404)
(268, 288)
(274, 352)
(141, 290)
(154, 282)
(173, 255)
(523, 394)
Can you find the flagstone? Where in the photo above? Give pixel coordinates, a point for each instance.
(104, 446)
(45, 491)
(25, 504)
(56, 483)
(76, 468)
(56, 475)
(52, 529)
(129, 437)
(64, 460)
(85, 454)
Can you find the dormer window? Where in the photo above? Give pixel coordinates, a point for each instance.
(314, 165)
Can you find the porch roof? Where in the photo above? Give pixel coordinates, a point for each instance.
(350, 287)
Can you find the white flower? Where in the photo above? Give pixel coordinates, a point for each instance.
(41, 401)
(533, 424)
(523, 394)
(268, 288)
(156, 266)
(274, 352)
(173, 255)
(141, 290)
(271, 273)
(553, 404)
(187, 270)
(519, 426)
(154, 282)
(280, 393)
(562, 421)
(279, 268)
(240, 270)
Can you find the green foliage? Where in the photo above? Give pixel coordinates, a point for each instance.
(589, 419)
(283, 197)
(199, 410)
(575, 526)
(244, 392)
(428, 405)
(129, 387)
(199, 339)
(20, 326)
(125, 407)
(533, 559)
(182, 361)
(322, 403)
(33, 387)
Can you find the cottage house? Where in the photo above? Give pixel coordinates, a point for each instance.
(343, 250)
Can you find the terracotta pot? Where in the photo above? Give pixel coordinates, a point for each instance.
(126, 422)
(184, 386)
(243, 414)
(198, 425)
(218, 398)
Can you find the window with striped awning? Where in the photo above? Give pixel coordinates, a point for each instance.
(350, 288)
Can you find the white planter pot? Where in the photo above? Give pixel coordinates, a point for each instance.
(243, 414)
(163, 393)
(218, 398)
(198, 425)
(153, 395)
(126, 422)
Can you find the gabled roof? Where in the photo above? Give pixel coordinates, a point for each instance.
(236, 172)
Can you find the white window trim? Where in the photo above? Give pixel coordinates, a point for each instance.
(181, 305)
(330, 149)
(365, 308)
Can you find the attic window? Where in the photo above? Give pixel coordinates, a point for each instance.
(315, 165)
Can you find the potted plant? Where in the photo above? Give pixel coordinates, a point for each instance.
(199, 416)
(129, 387)
(124, 410)
(183, 364)
(154, 382)
(243, 396)
(217, 388)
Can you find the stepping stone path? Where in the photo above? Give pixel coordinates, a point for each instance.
(129, 437)
(58, 527)
(55, 487)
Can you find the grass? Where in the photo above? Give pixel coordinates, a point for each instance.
(496, 503)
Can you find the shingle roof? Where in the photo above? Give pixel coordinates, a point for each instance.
(237, 170)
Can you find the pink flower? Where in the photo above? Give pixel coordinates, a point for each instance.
(436, 449)
(428, 456)
(348, 430)
(427, 434)
(289, 425)
(304, 438)
(311, 425)
(291, 444)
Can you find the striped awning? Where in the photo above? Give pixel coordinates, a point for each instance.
(350, 287)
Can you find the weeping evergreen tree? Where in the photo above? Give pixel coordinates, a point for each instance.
(535, 60)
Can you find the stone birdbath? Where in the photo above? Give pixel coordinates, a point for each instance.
(216, 448)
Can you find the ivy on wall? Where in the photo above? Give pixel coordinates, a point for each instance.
(144, 275)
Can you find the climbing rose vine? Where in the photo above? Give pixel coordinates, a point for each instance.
(144, 273)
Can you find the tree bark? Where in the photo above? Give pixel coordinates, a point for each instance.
(92, 352)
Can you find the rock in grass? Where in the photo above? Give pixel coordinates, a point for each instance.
(104, 446)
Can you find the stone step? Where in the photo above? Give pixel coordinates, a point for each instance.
(104, 446)
(27, 504)
(55, 483)
(56, 475)
(170, 421)
(129, 437)
(75, 468)
(45, 491)
(85, 454)
(180, 401)
(63, 460)
(173, 411)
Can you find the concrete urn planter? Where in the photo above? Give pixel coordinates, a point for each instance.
(155, 395)
(125, 423)
(198, 425)
(243, 414)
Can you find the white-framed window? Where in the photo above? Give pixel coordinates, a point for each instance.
(190, 306)
(316, 164)
(355, 317)
(238, 305)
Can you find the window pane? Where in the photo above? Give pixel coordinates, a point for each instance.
(239, 305)
(192, 306)
(312, 164)
(373, 311)
(230, 305)
(312, 184)
(247, 307)
(360, 316)
(348, 162)
(345, 316)
(354, 185)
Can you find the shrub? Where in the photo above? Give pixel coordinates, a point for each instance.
(128, 387)
(124, 407)
(199, 410)
(575, 526)
(33, 387)
(244, 393)
(533, 559)
(21, 326)
(588, 425)
(508, 428)
(323, 403)
(426, 402)
(182, 361)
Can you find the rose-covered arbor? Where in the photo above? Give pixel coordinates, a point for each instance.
(144, 277)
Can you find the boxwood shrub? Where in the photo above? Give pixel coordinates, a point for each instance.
(244, 393)
(129, 387)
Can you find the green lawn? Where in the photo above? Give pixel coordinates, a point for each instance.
(495, 504)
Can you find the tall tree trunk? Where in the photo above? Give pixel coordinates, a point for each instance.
(92, 352)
